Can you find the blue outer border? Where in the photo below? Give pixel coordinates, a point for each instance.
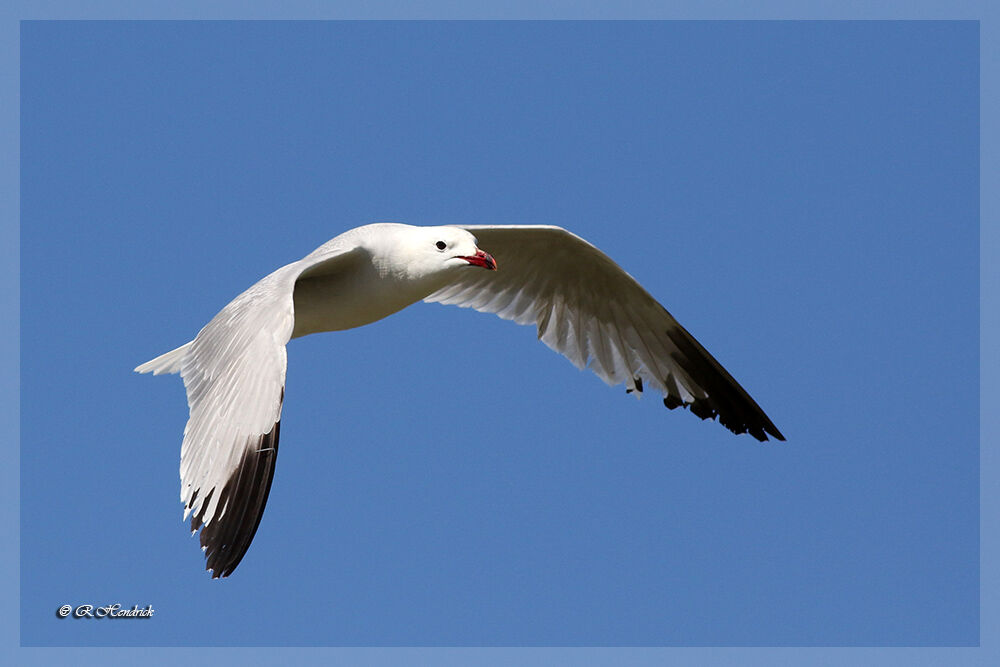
(510, 9)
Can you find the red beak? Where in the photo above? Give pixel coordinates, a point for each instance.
(483, 259)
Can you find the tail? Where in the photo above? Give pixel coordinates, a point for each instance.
(166, 363)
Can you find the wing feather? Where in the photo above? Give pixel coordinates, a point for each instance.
(234, 374)
(590, 310)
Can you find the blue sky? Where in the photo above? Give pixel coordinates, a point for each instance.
(802, 197)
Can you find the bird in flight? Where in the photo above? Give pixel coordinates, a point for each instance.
(583, 304)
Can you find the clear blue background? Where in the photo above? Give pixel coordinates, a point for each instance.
(803, 197)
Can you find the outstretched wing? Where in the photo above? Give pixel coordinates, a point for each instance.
(594, 313)
(234, 373)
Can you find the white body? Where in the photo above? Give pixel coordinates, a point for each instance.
(367, 288)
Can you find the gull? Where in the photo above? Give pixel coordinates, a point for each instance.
(582, 303)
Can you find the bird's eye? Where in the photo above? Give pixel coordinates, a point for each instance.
(441, 245)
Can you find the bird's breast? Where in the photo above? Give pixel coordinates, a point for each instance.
(338, 302)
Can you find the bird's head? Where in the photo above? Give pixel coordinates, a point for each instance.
(440, 251)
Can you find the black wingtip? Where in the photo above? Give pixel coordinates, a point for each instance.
(726, 400)
(226, 539)
(704, 409)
